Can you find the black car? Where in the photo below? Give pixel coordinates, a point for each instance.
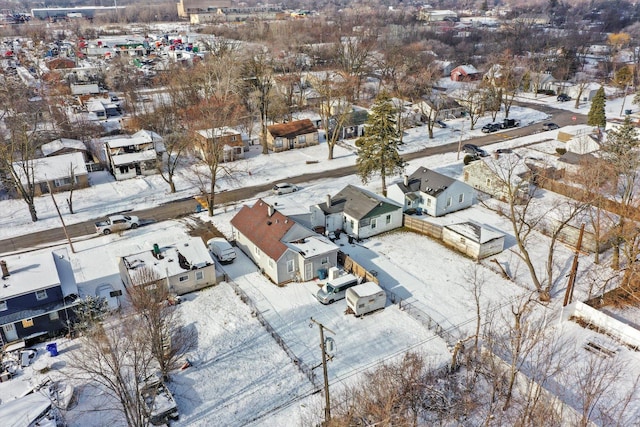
(550, 126)
(440, 124)
(474, 150)
(563, 97)
(491, 127)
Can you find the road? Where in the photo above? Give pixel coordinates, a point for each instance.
(184, 207)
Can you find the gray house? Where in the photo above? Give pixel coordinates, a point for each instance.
(473, 239)
(432, 193)
(360, 213)
(283, 249)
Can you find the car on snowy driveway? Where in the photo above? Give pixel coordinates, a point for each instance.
(284, 188)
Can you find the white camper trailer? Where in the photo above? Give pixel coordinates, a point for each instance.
(365, 298)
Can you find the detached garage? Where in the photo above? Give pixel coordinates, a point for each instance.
(473, 239)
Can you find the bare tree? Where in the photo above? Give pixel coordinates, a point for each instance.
(117, 359)
(258, 74)
(168, 339)
(334, 106)
(22, 139)
(472, 99)
(215, 115)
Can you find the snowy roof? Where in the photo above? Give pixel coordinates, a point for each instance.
(128, 141)
(475, 232)
(312, 246)
(54, 167)
(28, 273)
(24, 411)
(148, 134)
(218, 132)
(127, 158)
(59, 144)
(176, 258)
(366, 289)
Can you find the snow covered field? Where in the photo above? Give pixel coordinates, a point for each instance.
(240, 375)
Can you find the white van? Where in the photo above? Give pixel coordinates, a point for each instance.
(336, 289)
(365, 298)
(221, 249)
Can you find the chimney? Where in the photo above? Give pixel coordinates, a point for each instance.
(328, 200)
(270, 210)
(406, 180)
(5, 270)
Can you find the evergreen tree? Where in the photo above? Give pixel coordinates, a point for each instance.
(597, 116)
(378, 148)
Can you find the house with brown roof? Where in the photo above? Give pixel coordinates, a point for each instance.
(296, 134)
(465, 73)
(283, 249)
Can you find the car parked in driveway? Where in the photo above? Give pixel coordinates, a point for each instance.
(284, 188)
(491, 127)
(563, 97)
(550, 126)
(222, 249)
(474, 150)
(440, 124)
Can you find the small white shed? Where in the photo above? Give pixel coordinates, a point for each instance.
(473, 239)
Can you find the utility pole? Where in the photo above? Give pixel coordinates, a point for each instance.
(64, 227)
(327, 408)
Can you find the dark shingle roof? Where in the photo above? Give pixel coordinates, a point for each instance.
(358, 203)
(426, 181)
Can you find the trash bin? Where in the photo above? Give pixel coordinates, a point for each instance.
(52, 349)
(322, 273)
(627, 112)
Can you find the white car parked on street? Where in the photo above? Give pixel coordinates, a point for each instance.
(284, 188)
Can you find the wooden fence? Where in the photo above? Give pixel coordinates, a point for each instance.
(423, 227)
(353, 267)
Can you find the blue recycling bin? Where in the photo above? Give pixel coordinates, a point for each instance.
(322, 273)
(52, 349)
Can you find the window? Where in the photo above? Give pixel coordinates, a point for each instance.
(40, 295)
(271, 264)
(302, 139)
(429, 202)
(124, 169)
(184, 278)
(461, 198)
(488, 181)
(290, 266)
(54, 316)
(351, 224)
(27, 323)
(448, 201)
(373, 223)
(3, 306)
(325, 260)
(199, 275)
(388, 219)
(233, 137)
(62, 182)
(278, 143)
(256, 251)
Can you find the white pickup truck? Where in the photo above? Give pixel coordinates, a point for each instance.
(117, 223)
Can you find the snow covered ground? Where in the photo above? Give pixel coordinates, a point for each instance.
(240, 375)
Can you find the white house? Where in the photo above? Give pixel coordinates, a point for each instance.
(282, 248)
(432, 193)
(360, 213)
(185, 266)
(134, 155)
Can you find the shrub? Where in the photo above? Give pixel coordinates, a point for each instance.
(561, 151)
(469, 158)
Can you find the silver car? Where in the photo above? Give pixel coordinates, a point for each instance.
(284, 188)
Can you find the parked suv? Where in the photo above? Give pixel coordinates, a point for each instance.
(474, 150)
(491, 127)
(550, 126)
(563, 97)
